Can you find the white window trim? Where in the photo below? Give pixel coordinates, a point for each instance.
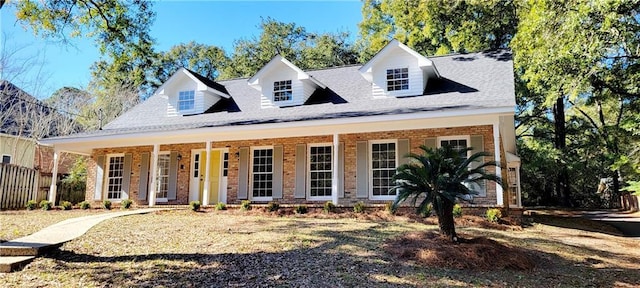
(186, 111)
(105, 187)
(370, 164)
(317, 198)
(163, 200)
(455, 137)
(273, 92)
(258, 199)
(397, 92)
(7, 155)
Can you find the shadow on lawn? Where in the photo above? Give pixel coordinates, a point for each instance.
(348, 258)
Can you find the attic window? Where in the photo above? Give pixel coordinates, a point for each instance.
(186, 100)
(397, 79)
(282, 91)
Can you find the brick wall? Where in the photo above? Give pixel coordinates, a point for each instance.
(416, 138)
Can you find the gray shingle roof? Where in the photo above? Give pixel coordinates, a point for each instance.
(469, 81)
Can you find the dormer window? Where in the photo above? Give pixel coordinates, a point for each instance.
(186, 100)
(397, 79)
(282, 91)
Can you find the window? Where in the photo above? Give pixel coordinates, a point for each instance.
(225, 164)
(458, 144)
(162, 177)
(114, 177)
(186, 100)
(383, 167)
(320, 168)
(397, 79)
(262, 179)
(196, 165)
(282, 91)
(6, 159)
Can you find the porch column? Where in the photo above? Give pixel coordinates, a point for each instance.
(205, 190)
(154, 172)
(496, 144)
(53, 189)
(334, 171)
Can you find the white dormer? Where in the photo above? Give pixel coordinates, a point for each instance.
(188, 93)
(282, 84)
(397, 71)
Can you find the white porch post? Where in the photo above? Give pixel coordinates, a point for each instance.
(53, 189)
(154, 171)
(334, 172)
(205, 190)
(496, 144)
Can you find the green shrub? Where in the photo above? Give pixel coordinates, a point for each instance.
(390, 209)
(359, 207)
(221, 206)
(66, 205)
(273, 206)
(426, 211)
(195, 205)
(329, 207)
(245, 205)
(45, 205)
(457, 210)
(106, 204)
(494, 215)
(84, 205)
(126, 204)
(301, 209)
(31, 205)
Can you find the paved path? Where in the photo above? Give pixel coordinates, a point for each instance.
(16, 253)
(627, 223)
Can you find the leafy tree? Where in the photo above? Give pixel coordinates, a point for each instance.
(442, 176)
(581, 59)
(304, 49)
(203, 59)
(120, 29)
(436, 27)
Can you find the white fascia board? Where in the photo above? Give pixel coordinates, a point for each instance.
(160, 89)
(423, 120)
(219, 93)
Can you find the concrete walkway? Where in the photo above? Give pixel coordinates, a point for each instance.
(627, 223)
(16, 253)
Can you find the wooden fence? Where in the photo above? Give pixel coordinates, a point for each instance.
(20, 184)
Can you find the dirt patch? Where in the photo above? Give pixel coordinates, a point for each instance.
(432, 250)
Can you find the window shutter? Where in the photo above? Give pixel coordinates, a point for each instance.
(243, 173)
(301, 171)
(477, 145)
(99, 177)
(126, 177)
(403, 150)
(277, 172)
(362, 171)
(431, 142)
(341, 170)
(143, 184)
(173, 176)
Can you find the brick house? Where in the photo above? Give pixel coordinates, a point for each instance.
(297, 136)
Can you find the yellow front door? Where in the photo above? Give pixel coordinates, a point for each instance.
(214, 175)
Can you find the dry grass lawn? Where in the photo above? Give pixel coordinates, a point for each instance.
(16, 224)
(230, 248)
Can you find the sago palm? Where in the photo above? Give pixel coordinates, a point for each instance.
(441, 176)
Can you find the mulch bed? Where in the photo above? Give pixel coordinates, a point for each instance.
(432, 250)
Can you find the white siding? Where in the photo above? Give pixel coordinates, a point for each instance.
(202, 99)
(282, 73)
(401, 59)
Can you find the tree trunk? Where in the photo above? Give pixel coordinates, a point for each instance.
(562, 182)
(445, 220)
(615, 193)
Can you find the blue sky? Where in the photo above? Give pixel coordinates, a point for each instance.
(219, 23)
